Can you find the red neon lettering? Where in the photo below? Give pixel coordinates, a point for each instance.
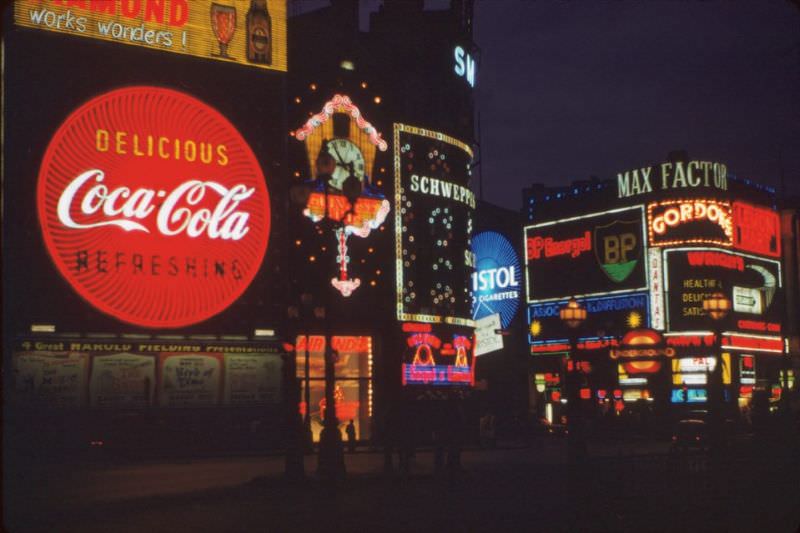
(719, 259)
(552, 248)
(102, 6)
(351, 344)
(757, 229)
(768, 345)
(154, 10)
(419, 339)
(178, 12)
(415, 327)
(147, 10)
(130, 8)
(691, 340)
(758, 325)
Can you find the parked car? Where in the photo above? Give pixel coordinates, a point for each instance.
(690, 433)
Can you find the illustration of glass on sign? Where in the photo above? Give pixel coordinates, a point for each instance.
(223, 22)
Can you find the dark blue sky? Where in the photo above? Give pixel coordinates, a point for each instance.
(571, 89)
(567, 90)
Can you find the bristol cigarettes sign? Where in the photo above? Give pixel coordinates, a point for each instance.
(153, 207)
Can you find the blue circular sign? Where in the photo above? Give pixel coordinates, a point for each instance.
(496, 281)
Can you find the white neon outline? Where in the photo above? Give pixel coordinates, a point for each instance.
(398, 227)
(665, 265)
(645, 248)
(697, 240)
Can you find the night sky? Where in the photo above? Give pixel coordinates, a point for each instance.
(572, 89)
(567, 90)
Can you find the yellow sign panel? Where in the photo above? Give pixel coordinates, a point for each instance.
(243, 32)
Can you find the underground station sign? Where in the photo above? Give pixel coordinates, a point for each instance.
(153, 207)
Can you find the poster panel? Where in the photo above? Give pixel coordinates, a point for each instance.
(153, 207)
(433, 226)
(697, 221)
(487, 339)
(122, 380)
(438, 355)
(240, 32)
(252, 379)
(605, 316)
(587, 255)
(189, 380)
(753, 285)
(496, 282)
(756, 229)
(51, 378)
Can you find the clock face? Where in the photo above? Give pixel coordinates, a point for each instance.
(349, 160)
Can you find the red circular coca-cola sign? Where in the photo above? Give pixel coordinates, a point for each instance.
(153, 207)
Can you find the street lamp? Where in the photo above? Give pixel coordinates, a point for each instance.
(573, 315)
(717, 306)
(331, 450)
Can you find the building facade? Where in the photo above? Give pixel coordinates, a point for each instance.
(642, 252)
(143, 235)
(382, 241)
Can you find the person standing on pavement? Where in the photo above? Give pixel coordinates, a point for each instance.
(351, 436)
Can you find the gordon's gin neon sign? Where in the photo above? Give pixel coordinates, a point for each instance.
(153, 207)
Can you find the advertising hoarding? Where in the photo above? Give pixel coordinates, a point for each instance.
(605, 316)
(487, 339)
(153, 207)
(756, 229)
(241, 32)
(434, 210)
(350, 143)
(122, 380)
(438, 355)
(496, 282)
(125, 375)
(51, 378)
(588, 255)
(353, 356)
(252, 379)
(753, 285)
(189, 380)
(655, 264)
(697, 221)
(672, 176)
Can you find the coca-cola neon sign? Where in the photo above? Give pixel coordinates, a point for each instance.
(153, 207)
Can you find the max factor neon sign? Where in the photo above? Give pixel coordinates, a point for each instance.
(677, 175)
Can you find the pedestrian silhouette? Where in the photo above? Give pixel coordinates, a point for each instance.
(351, 436)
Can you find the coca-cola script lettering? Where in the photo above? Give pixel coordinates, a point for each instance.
(221, 222)
(146, 219)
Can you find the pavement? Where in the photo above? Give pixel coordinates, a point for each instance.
(629, 485)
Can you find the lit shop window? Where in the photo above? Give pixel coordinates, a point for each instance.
(353, 382)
